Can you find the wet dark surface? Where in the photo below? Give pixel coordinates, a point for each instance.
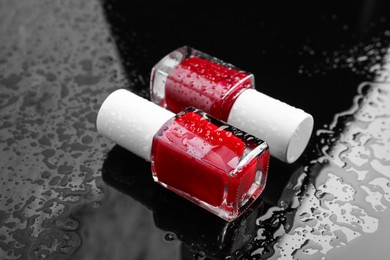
(68, 193)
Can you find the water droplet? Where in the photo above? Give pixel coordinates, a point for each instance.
(66, 249)
(200, 256)
(170, 237)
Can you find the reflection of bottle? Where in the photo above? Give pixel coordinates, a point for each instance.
(204, 232)
(200, 231)
(187, 77)
(214, 165)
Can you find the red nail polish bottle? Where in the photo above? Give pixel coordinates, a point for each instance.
(211, 163)
(187, 77)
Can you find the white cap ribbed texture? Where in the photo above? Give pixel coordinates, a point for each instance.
(131, 121)
(286, 129)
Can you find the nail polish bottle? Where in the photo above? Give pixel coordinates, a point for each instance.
(187, 77)
(210, 163)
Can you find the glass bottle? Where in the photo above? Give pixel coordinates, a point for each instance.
(207, 161)
(187, 77)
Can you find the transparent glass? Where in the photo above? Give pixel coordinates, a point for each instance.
(187, 77)
(214, 165)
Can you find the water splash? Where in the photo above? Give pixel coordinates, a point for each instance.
(343, 193)
(51, 87)
(363, 59)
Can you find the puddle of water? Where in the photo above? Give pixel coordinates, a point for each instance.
(54, 73)
(337, 205)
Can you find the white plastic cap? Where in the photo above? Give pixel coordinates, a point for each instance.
(131, 121)
(286, 129)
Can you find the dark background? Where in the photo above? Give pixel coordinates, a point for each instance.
(311, 55)
(297, 51)
(60, 59)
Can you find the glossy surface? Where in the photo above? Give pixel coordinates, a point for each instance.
(210, 163)
(51, 84)
(339, 202)
(208, 235)
(60, 59)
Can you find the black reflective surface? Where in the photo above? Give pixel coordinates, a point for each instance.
(68, 193)
(200, 230)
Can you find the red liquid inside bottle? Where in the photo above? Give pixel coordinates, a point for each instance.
(211, 86)
(202, 160)
(187, 77)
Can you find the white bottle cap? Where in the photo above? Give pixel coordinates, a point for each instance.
(131, 121)
(286, 129)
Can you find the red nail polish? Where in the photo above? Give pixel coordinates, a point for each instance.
(211, 163)
(187, 77)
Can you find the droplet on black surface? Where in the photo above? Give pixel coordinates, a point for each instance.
(170, 237)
